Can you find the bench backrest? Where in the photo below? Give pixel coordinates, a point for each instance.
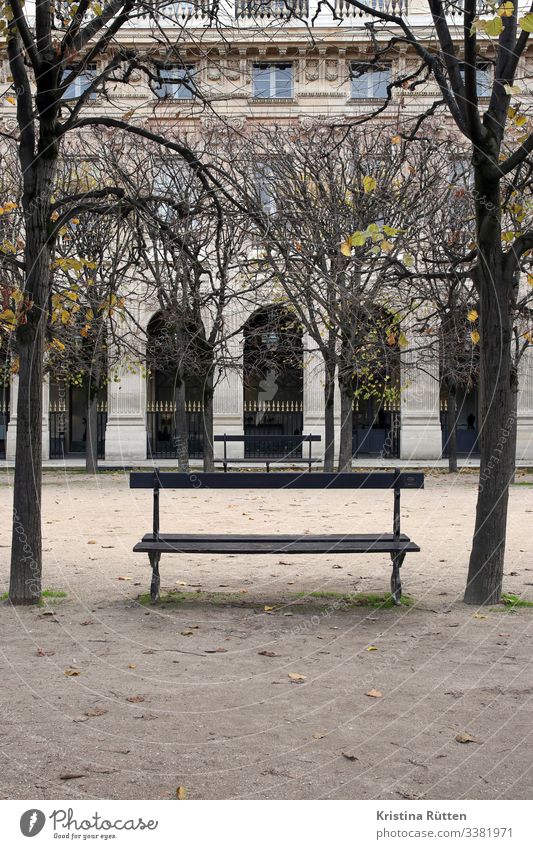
(276, 480)
(296, 438)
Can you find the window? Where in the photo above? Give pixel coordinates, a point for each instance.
(272, 79)
(177, 82)
(369, 81)
(80, 84)
(483, 78)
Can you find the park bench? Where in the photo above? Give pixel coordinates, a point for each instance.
(396, 544)
(288, 443)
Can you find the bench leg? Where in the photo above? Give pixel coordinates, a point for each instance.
(395, 582)
(154, 557)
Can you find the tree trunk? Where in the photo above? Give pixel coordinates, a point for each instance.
(329, 418)
(26, 545)
(452, 429)
(207, 424)
(497, 458)
(181, 427)
(91, 441)
(345, 447)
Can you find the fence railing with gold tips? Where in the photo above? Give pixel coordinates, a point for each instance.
(388, 406)
(4, 409)
(444, 405)
(170, 407)
(273, 407)
(61, 407)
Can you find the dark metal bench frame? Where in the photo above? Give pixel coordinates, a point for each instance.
(297, 440)
(396, 544)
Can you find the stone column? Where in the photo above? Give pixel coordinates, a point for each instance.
(125, 438)
(524, 434)
(313, 394)
(228, 399)
(11, 441)
(11, 438)
(420, 430)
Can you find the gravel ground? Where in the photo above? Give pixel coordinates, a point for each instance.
(183, 695)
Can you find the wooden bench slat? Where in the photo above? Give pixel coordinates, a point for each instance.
(277, 480)
(298, 546)
(271, 537)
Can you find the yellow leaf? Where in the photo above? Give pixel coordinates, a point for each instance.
(530, 279)
(71, 672)
(494, 27)
(526, 23)
(512, 89)
(267, 608)
(506, 9)
(475, 337)
(7, 315)
(386, 246)
(358, 239)
(372, 648)
(181, 793)
(472, 315)
(375, 694)
(479, 616)
(520, 120)
(396, 140)
(296, 678)
(11, 100)
(65, 316)
(403, 341)
(369, 184)
(346, 248)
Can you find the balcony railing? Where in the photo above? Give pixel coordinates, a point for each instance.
(344, 9)
(271, 9)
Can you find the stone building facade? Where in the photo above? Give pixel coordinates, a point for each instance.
(260, 64)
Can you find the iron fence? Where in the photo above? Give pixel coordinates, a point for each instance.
(467, 438)
(379, 436)
(59, 429)
(273, 428)
(161, 433)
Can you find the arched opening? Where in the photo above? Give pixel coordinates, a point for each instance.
(68, 413)
(171, 385)
(376, 388)
(273, 383)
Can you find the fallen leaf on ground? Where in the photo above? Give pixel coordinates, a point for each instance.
(123, 578)
(107, 546)
(135, 699)
(181, 793)
(91, 542)
(374, 694)
(479, 616)
(67, 776)
(80, 719)
(267, 608)
(44, 652)
(464, 737)
(88, 622)
(181, 584)
(71, 671)
(319, 734)
(215, 651)
(350, 756)
(95, 711)
(267, 653)
(296, 678)
(132, 666)
(372, 648)
(186, 633)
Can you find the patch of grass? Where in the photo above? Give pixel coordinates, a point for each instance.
(314, 600)
(513, 601)
(44, 594)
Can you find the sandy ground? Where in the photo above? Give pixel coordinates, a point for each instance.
(156, 706)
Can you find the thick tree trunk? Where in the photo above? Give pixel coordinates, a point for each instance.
(329, 419)
(452, 429)
(345, 446)
(26, 546)
(181, 427)
(497, 444)
(91, 441)
(207, 424)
